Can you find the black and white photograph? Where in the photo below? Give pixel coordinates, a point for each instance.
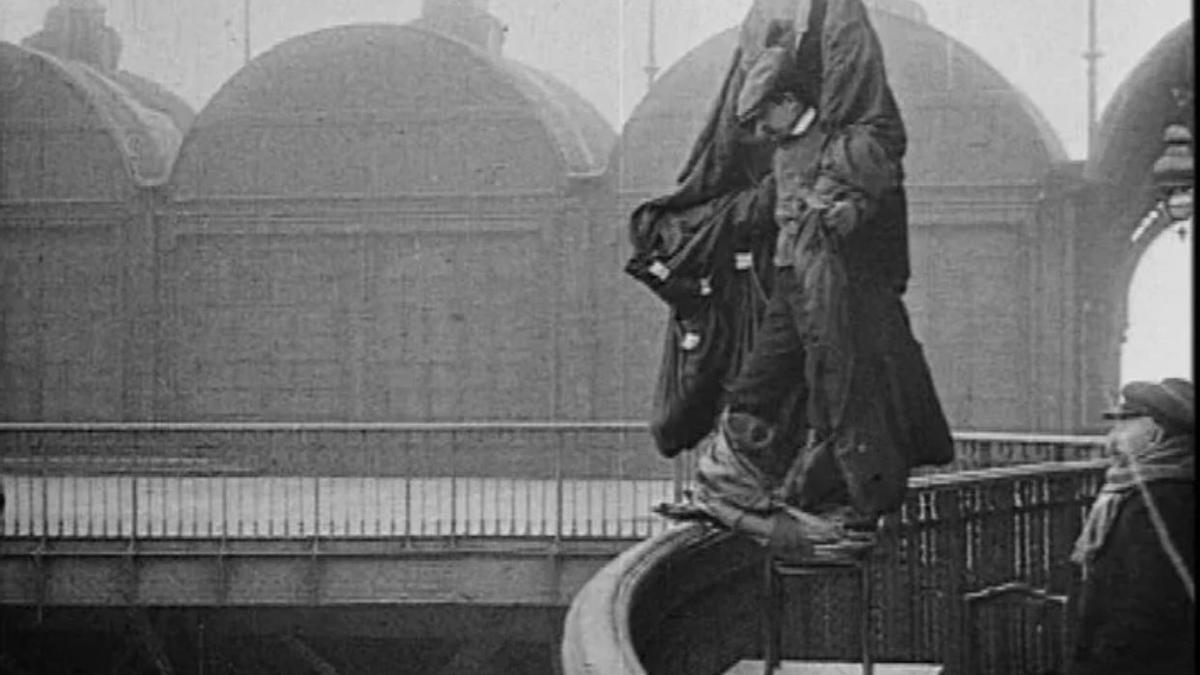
(597, 337)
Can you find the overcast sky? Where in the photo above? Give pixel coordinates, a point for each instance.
(599, 46)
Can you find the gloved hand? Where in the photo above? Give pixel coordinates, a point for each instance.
(841, 217)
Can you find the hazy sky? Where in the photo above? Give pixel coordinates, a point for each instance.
(1158, 341)
(599, 46)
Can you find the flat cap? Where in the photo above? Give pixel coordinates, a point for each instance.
(1171, 403)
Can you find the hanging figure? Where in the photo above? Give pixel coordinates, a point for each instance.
(826, 403)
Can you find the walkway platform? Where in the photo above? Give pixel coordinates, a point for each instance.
(263, 507)
(318, 541)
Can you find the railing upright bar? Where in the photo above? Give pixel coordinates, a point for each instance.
(269, 511)
(10, 497)
(408, 511)
(301, 439)
(377, 464)
(104, 505)
(13, 507)
(45, 533)
(497, 492)
(289, 513)
(178, 506)
(622, 480)
(528, 489)
(453, 485)
(62, 489)
(240, 497)
(558, 492)
(607, 479)
(429, 485)
(316, 512)
(255, 513)
(195, 490)
(86, 512)
(477, 496)
(285, 486)
(134, 510)
(362, 500)
(338, 486)
(587, 525)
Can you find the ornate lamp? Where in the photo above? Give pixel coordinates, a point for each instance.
(1174, 177)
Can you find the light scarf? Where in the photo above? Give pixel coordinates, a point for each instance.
(1141, 458)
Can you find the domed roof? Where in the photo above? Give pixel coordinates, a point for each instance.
(966, 124)
(1129, 136)
(71, 132)
(156, 97)
(909, 9)
(387, 109)
(582, 132)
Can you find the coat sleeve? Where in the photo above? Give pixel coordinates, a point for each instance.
(861, 162)
(855, 94)
(854, 175)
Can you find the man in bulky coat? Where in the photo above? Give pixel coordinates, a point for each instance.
(830, 403)
(1136, 607)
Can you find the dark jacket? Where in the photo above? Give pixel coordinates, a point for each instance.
(1134, 615)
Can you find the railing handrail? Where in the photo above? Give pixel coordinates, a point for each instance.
(226, 427)
(472, 425)
(568, 477)
(975, 476)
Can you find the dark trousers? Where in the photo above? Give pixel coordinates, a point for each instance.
(773, 372)
(765, 415)
(766, 418)
(771, 381)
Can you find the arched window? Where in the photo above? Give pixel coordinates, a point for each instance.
(1158, 336)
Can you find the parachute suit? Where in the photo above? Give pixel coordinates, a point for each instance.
(800, 383)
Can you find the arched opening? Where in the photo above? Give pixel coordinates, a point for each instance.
(1113, 240)
(1158, 335)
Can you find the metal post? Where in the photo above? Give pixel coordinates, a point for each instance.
(1092, 55)
(408, 504)
(245, 32)
(651, 63)
(558, 493)
(868, 663)
(453, 484)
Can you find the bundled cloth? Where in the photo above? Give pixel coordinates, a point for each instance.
(710, 263)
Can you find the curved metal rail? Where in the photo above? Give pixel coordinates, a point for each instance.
(685, 600)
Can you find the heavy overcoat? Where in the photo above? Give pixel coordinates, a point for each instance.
(686, 244)
(1134, 614)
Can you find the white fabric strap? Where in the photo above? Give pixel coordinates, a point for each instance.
(1164, 535)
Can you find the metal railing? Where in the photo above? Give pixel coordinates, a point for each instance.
(956, 535)
(304, 480)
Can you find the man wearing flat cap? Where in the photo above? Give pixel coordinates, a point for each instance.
(1136, 605)
(826, 402)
